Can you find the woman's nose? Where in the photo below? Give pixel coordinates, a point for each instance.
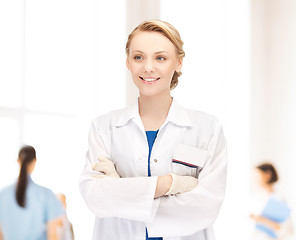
(149, 66)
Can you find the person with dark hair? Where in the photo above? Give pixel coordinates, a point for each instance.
(270, 213)
(269, 173)
(27, 210)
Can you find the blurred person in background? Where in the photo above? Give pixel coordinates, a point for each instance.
(65, 228)
(270, 212)
(28, 211)
(155, 170)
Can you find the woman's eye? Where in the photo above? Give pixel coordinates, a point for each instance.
(160, 58)
(138, 58)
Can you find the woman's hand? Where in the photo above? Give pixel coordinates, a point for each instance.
(52, 227)
(174, 184)
(106, 167)
(163, 185)
(265, 221)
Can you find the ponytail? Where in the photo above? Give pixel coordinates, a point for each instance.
(26, 155)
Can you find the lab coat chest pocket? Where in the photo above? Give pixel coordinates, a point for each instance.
(188, 160)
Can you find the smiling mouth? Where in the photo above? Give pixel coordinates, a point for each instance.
(149, 80)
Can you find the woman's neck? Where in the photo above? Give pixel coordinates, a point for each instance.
(268, 188)
(154, 110)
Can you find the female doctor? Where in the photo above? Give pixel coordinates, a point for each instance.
(155, 170)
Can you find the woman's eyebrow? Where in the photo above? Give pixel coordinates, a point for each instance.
(161, 52)
(158, 52)
(136, 51)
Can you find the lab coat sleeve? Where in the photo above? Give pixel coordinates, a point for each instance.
(130, 198)
(188, 213)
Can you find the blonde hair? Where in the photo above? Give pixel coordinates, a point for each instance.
(166, 30)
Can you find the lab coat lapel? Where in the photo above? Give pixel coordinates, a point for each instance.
(131, 113)
(178, 115)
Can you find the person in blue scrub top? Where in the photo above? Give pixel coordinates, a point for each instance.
(155, 170)
(28, 211)
(271, 214)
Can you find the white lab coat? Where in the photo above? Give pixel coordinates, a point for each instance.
(125, 206)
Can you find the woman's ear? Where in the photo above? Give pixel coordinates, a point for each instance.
(179, 64)
(127, 63)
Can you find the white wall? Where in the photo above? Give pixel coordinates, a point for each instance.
(273, 107)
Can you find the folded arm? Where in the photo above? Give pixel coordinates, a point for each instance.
(131, 198)
(108, 195)
(166, 185)
(195, 210)
(265, 221)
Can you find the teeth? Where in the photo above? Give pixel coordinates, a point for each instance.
(150, 79)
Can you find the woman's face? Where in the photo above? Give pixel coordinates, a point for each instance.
(152, 60)
(262, 178)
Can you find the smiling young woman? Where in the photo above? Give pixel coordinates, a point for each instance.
(152, 60)
(155, 170)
